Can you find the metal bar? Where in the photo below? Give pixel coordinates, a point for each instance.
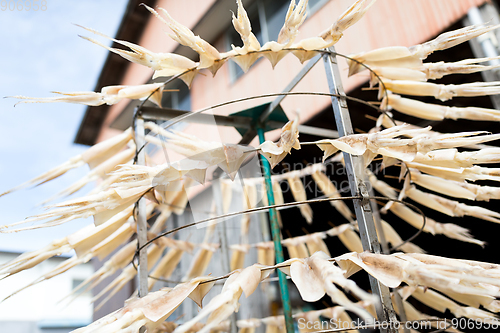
(278, 249)
(154, 113)
(142, 224)
(250, 134)
(398, 301)
(356, 176)
(317, 131)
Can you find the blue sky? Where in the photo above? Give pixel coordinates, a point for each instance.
(41, 52)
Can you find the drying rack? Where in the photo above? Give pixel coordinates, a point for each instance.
(365, 209)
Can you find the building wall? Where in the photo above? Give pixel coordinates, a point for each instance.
(387, 23)
(37, 309)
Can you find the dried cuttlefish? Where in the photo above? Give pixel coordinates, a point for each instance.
(307, 48)
(429, 71)
(299, 194)
(201, 154)
(278, 198)
(326, 186)
(109, 95)
(394, 239)
(154, 253)
(387, 144)
(455, 189)
(444, 274)
(167, 264)
(439, 69)
(209, 56)
(316, 276)
(83, 242)
(296, 248)
(94, 156)
(164, 64)
(295, 16)
(452, 158)
(99, 172)
(412, 314)
(437, 112)
(244, 56)
(276, 152)
(449, 207)
(101, 206)
(223, 305)
(101, 250)
(459, 174)
(349, 237)
(201, 260)
(442, 303)
(117, 261)
(265, 253)
(249, 201)
(239, 252)
(150, 310)
(411, 57)
(450, 230)
(442, 92)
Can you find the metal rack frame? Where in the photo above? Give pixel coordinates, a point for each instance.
(364, 209)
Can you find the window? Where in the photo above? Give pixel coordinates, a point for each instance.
(180, 100)
(267, 18)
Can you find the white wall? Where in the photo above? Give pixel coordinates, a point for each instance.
(39, 303)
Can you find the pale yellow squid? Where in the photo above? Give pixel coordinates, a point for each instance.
(94, 156)
(164, 64)
(308, 47)
(209, 56)
(408, 215)
(151, 310)
(244, 56)
(429, 71)
(109, 95)
(435, 111)
(451, 275)
(455, 189)
(81, 241)
(315, 276)
(295, 16)
(299, 194)
(411, 57)
(223, 305)
(276, 152)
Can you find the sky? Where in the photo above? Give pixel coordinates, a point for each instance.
(41, 52)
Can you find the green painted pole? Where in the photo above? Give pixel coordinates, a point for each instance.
(278, 249)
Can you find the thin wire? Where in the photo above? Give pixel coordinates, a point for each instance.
(183, 117)
(297, 203)
(138, 109)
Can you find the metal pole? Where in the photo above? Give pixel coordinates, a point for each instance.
(154, 113)
(356, 176)
(142, 224)
(275, 230)
(398, 301)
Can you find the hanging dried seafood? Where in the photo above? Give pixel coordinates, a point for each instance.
(431, 160)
